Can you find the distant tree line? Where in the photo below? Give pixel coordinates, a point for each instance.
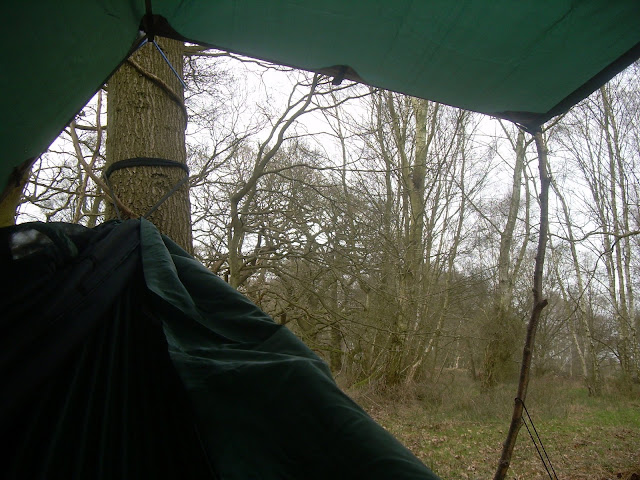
(394, 235)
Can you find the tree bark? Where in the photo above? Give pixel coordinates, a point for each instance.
(147, 118)
(10, 197)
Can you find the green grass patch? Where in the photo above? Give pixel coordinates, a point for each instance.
(457, 429)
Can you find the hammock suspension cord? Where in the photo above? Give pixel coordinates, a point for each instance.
(546, 461)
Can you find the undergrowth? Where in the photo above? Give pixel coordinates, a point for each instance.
(457, 428)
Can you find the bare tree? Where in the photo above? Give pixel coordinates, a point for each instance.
(598, 136)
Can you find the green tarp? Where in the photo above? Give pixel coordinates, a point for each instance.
(525, 61)
(123, 357)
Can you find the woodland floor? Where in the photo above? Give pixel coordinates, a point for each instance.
(458, 430)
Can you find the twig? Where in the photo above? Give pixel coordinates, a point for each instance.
(162, 84)
(76, 144)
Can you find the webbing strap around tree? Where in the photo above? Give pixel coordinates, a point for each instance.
(146, 162)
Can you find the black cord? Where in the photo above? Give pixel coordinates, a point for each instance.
(546, 455)
(175, 72)
(538, 450)
(149, 27)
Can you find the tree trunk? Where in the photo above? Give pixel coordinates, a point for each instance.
(592, 373)
(619, 219)
(499, 350)
(147, 118)
(10, 197)
(432, 344)
(335, 353)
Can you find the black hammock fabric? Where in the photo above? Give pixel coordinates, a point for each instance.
(122, 357)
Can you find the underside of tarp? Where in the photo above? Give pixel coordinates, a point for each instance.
(525, 61)
(123, 357)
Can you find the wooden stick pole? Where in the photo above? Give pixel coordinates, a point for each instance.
(538, 304)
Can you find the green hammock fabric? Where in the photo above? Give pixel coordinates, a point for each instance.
(123, 357)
